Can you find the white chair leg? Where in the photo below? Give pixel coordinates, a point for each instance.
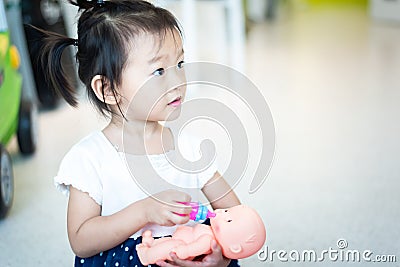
(236, 28)
(190, 25)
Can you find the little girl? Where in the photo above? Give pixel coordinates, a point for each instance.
(120, 45)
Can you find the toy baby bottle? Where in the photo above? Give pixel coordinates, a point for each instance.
(199, 211)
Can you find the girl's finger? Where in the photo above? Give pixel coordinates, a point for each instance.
(178, 219)
(215, 247)
(165, 264)
(185, 263)
(181, 208)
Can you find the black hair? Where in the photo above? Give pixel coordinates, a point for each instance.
(105, 30)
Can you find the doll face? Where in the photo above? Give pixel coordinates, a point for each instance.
(239, 231)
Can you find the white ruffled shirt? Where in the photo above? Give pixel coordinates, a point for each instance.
(95, 166)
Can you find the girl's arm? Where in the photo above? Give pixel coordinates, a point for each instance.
(89, 233)
(219, 193)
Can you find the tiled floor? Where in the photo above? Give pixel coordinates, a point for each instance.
(331, 78)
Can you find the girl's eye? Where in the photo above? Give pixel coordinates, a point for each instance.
(180, 64)
(159, 72)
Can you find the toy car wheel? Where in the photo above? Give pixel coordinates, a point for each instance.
(27, 127)
(6, 182)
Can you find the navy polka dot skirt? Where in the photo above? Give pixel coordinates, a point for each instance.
(123, 255)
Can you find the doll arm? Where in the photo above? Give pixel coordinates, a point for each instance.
(200, 246)
(149, 241)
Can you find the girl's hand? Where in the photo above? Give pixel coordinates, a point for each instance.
(215, 259)
(164, 208)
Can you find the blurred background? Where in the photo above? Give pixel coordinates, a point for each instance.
(329, 71)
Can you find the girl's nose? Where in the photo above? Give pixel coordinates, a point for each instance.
(176, 78)
(173, 91)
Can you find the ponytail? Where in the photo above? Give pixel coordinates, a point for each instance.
(50, 62)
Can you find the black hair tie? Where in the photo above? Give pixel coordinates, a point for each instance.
(100, 3)
(76, 42)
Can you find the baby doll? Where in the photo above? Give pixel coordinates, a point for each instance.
(238, 230)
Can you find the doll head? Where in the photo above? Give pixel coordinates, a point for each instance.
(239, 231)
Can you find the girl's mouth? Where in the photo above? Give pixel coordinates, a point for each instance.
(176, 102)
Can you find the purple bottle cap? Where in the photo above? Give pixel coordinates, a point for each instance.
(211, 214)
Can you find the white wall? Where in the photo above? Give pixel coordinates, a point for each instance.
(385, 9)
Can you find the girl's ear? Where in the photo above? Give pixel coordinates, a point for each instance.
(101, 85)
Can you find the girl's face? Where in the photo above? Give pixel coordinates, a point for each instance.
(153, 81)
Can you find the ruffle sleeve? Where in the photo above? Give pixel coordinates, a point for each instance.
(79, 169)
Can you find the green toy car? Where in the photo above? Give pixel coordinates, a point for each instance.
(17, 116)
